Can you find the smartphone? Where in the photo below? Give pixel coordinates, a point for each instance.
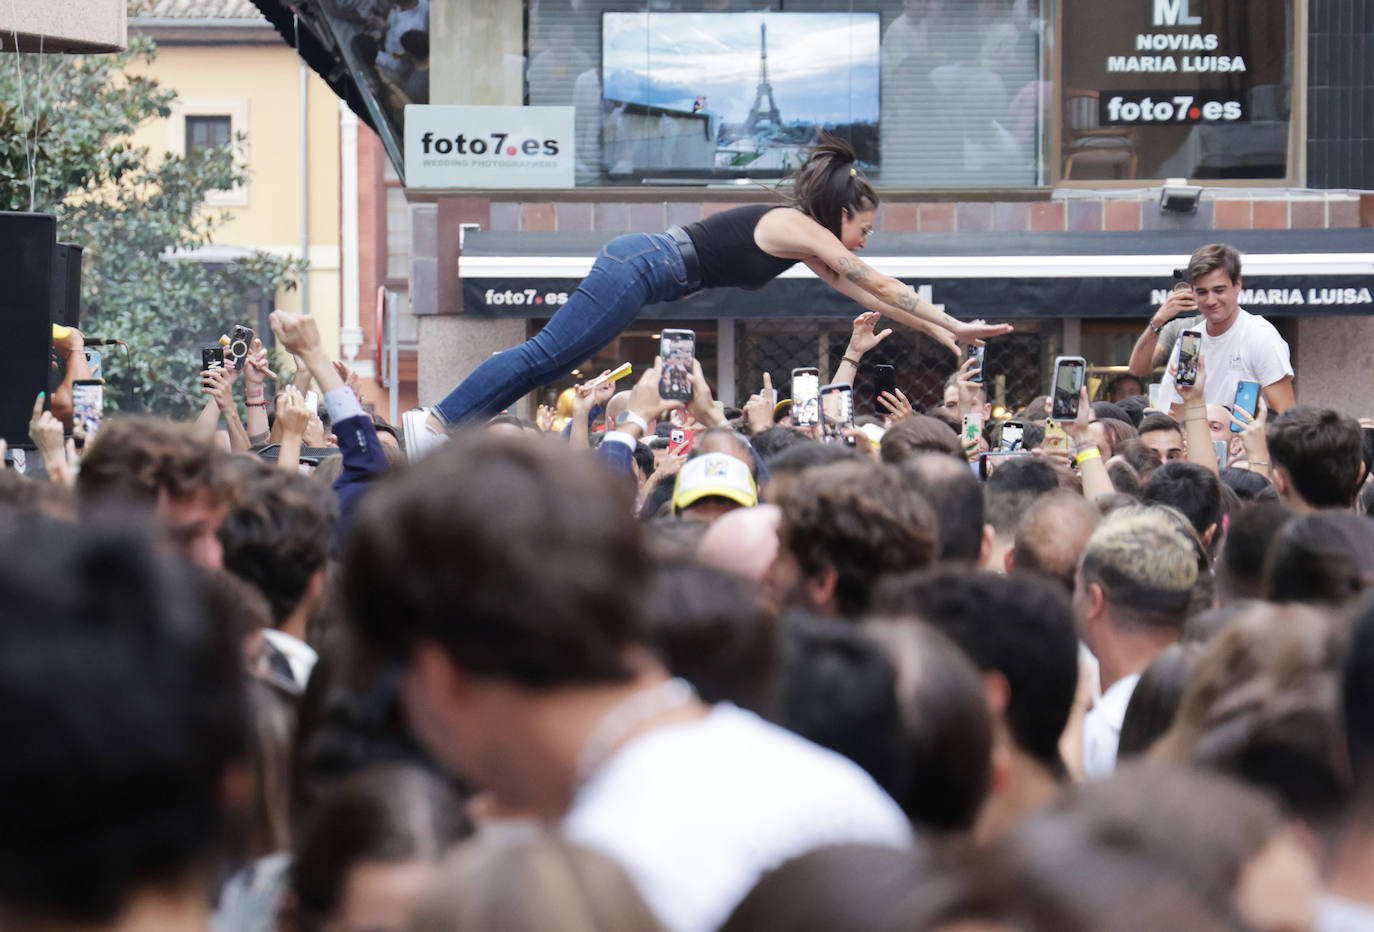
(973, 430)
(94, 364)
(1011, 436)
(1069, 372)
(1189, 346)
(1219, 446)
(211, 357)
(884, 380)
(806, 387)
(88, 408)
(312, 402)
(1153, 392)
(1247, 400)
(976, 352)
(239, 344)
(677, 348)
(837, 410)
(680, 441)
(1055, 438)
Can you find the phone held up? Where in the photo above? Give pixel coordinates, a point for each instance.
(240, 342)
(806, 387)
(884, 381)
(211, 358)
(837, 412)
(1011, 437)
(978, 353)
(1069, 373)
(1189, 347)
(677, 348)
(88, 408)
(1247, 400)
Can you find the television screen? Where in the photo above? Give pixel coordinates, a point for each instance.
(735, 93)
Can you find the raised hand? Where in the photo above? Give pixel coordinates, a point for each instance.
(897, 405)
(863, 337)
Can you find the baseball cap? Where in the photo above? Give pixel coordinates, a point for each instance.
(714, 474)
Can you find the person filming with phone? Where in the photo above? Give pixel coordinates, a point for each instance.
(1238, 346)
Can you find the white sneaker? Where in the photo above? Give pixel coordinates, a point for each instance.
(420, 438)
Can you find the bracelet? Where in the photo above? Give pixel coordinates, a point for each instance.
(852, 362)
(1087, 453)
(1157, 330)
(1258, 462)
(258, 404)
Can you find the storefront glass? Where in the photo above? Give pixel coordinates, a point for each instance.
(931, 93)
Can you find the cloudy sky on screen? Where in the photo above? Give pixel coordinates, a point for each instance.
(823, 66)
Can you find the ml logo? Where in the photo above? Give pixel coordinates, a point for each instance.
(1174, 13)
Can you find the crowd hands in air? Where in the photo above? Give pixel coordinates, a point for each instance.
(644, 664)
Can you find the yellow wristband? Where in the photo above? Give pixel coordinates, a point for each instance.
(1091, 453)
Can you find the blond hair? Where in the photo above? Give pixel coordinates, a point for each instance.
(1146, 559)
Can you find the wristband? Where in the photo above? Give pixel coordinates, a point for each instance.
(258, 404)
(852, 362)
(1157, 330)
(1258, 462)
(629, 417)
(262, 399)
(1087, 453)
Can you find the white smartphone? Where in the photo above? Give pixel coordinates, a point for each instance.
(806, 388)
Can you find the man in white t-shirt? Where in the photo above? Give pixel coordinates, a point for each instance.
(1235, 344)
(508, 579)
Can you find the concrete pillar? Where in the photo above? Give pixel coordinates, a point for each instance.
(1334, 363)
(476, 49)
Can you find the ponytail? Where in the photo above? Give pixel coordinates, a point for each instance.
(829, 183)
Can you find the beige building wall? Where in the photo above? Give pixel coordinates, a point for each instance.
(258, 86)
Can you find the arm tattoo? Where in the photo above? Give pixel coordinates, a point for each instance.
(853, 269)
(907, 301)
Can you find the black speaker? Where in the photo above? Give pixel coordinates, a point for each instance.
(66, 285)
(27, 244)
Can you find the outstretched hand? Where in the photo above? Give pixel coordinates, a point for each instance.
(864, 337)
(977, 331)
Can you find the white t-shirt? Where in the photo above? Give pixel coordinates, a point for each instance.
(1102, 728)
(696, 813)
(1250, 349)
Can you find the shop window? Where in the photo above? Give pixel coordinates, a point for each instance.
(929, 92)
(1154, 89)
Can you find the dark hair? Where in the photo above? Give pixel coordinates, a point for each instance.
(1017, 625)
(1032, 474)
(859, 520)
(657, 497)
(768, 444)
(919, 433)
(521, 558)
(1357, 699)
(1326, 558)
(1051, 535)
(1157, 421)
(1367, 442)
(709, 628)
(1111, 411)
(1155, 698)
(671, 537)
(1192, 489)
(1125, 480)
(1241, 559)
(1140, 457)
(951, 489)
(946, 729)
(132, 459)
(644, 457)
(1117, 383)
(121, 704)
(1262, 706)
(1321, 451)
(836, 887)
(392, 812)
(839, 690)
(1212, 257)
(1249, 485)
(828, 185)
(277, 534)
(1134, 407)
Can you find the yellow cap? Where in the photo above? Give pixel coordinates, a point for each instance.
(60, 332)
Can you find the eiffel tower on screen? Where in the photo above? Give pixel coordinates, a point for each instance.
(759, 116)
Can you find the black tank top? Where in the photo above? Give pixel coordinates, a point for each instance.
(727, 252)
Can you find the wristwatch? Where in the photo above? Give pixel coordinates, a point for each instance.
(629, 417)
(1158, 330)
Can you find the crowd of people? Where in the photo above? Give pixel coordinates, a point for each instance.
(594, 676)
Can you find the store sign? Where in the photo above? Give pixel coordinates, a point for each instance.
(489, 147)
(1176, 88)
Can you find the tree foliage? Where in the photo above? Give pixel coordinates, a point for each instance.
(68, 135)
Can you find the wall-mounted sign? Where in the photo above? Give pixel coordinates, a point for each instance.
(1175, 88)
(489, 147)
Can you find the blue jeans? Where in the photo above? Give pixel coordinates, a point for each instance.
(632, 271)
